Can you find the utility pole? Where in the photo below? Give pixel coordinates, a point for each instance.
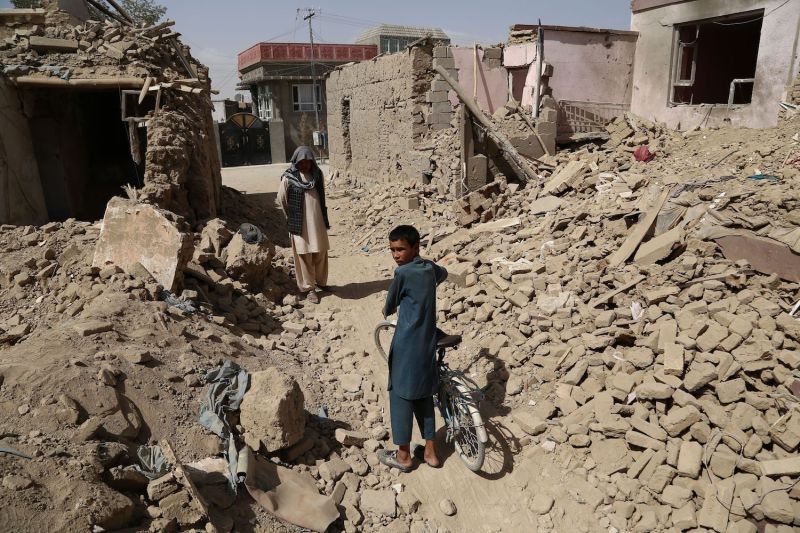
(310, 14)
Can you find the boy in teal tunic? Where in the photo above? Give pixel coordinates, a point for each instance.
(413, 375)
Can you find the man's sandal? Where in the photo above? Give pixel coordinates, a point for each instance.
(389, 458)
(419, 453)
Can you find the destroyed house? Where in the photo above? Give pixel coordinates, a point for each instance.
(90, 107)
(588, 71)
(286, 81)
(702, 63)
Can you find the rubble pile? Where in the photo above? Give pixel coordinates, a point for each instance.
(606, 310)
(91, 357)
(95, 48)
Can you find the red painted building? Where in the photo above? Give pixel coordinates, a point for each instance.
(280, 79)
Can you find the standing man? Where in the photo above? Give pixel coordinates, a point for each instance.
(302, 196)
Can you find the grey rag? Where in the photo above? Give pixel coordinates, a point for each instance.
(153, 464)
(224, 393)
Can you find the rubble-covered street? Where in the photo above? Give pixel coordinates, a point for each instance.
(628, 296)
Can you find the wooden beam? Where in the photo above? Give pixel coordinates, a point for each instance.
(121, 11)
(509, 153)
(606, 297)
(80, 83)
(105, 11)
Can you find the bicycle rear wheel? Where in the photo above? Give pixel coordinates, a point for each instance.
(465, 421)
(384, 332)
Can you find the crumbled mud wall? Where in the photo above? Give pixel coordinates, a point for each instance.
(377, 110)
(52, 52)
(182, 169)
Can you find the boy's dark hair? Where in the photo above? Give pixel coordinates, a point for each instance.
(406, 233)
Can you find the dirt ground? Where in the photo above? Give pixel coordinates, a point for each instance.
(499, 497)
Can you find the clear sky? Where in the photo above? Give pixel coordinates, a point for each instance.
(217, 30)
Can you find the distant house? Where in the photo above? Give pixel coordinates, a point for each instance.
(705, 62)
(390, 38)
(279, 77)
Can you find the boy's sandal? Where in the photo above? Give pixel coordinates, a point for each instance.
(419, 453)
(389, 458)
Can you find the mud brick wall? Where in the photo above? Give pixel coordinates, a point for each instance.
(182, 171)
(377, 110)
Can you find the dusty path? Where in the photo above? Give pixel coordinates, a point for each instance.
(496, 499)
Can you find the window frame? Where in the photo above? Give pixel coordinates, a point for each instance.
(679, 48)
(264, 102)
(298, 106)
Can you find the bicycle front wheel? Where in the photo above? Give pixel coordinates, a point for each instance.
(384, 332)
(465, 421)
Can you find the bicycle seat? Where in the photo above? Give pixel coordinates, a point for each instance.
(448, 341)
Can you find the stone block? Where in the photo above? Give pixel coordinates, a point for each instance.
(679, 419)
(477, 171)
(445, 62)
(135, 233)
(440, 52)
(334, 469)
(640, 440)
(690, 459)
(437, 96)
(409, 202)
(528, 145)
(544, 127)
(716, 504)
(713, 336)
(730, 391)
(457, 273)
(685, 517)
(673, 359)
(699, 375)
(653, 391)
(272, 411)
(379, 502)
(441, 107)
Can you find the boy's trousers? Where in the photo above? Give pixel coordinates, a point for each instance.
(403, 413)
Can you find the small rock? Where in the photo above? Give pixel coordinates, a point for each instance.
(15, 482)
(447, 507)
(542, 503)
(350, 438)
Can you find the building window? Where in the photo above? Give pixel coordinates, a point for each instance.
(391, 45)
(264, 102)
(303, 97)
(714, 61)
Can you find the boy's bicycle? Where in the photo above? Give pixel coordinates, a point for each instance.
(457, 398)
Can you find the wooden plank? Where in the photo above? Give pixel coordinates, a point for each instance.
(639, 231)
(80, 83)
(610, 294)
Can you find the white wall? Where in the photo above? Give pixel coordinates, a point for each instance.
(776, 67)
